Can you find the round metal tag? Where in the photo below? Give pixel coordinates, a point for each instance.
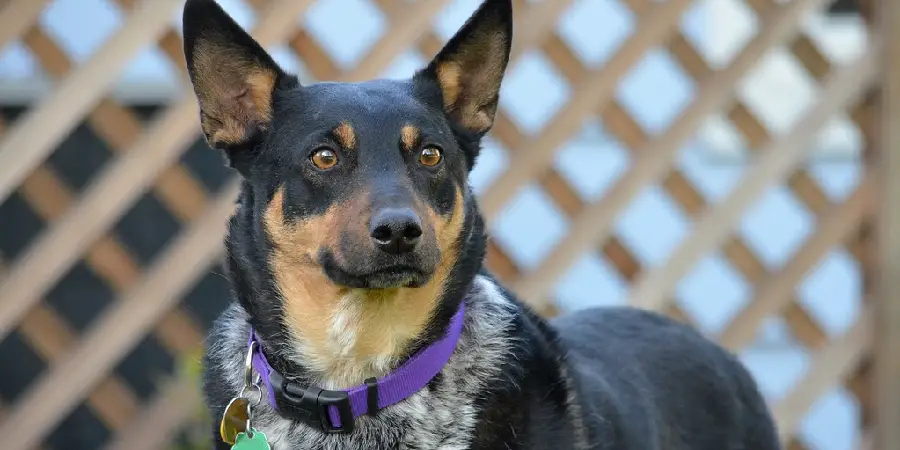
(234, 420)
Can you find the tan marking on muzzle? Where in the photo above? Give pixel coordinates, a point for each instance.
(376, 324)
(400, 315)
(308, 295)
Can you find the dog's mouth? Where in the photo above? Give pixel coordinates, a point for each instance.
(380, 277)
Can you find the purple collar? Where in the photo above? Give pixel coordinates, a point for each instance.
(336, 411)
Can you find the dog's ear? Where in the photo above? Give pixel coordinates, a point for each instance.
(233, 77)
(470, 68)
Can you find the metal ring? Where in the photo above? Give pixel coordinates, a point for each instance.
(253, 388)
(248, 365)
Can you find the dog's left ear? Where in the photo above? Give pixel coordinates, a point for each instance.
(470, 68)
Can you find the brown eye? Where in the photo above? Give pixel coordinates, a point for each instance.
(324, 159)
(430, 157)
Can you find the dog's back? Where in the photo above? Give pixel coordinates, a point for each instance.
(647, 382)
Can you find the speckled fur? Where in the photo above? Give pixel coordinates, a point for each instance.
(442, 417)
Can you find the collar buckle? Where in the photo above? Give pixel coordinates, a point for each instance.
(312, 405)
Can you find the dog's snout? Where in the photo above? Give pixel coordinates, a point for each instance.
(395, 230)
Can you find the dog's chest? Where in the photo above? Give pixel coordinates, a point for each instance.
(442, 416)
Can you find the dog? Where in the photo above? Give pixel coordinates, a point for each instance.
(363, 317)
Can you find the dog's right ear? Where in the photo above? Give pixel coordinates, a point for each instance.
(470, 68)
(234, 79)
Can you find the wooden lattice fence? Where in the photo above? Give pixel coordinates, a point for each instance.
(92, 300)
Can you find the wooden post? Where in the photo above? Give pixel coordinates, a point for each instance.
(887, 173)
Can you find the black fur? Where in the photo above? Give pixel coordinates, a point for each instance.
(617, 379)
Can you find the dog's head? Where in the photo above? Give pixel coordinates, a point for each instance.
(354, 186)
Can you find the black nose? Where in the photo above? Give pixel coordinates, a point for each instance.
(395, 230)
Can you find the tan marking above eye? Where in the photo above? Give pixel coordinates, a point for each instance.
(345, 135)
(430, 156)
(409, 138)
(324, 159)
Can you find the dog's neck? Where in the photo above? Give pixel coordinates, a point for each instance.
(361, 340)
(429, 418)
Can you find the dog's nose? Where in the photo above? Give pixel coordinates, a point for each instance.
(395, 230)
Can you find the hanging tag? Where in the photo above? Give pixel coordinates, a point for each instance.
(254, 440)
(234, 420)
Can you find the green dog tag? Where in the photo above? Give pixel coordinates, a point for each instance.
(257, 442)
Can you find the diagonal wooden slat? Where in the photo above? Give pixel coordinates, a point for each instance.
(531, 26)
(597, 88)
(4, 411)
(801, 183)
(176, 331)
(866, 442)
(155, 427)
(403, 31)
(775, 293)
(776, 162)
(60, 246)
(653, 161)
(16, 16)
(117, 187)
(885, 165)
(46, 124)
(50, 337)
(121, 326)
(119, 128)
(827, 368)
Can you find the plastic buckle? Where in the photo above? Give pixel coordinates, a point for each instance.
(372, 396)
(311, 405)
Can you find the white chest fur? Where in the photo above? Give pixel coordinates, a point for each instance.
(441, 418)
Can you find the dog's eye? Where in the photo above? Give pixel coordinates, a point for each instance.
(324, 159)
(430, 156)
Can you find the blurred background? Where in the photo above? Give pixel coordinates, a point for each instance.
(707, 158)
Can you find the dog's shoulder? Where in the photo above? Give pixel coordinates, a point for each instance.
(624, 336)
(531, 403)
(584, 329)
(661, 383)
